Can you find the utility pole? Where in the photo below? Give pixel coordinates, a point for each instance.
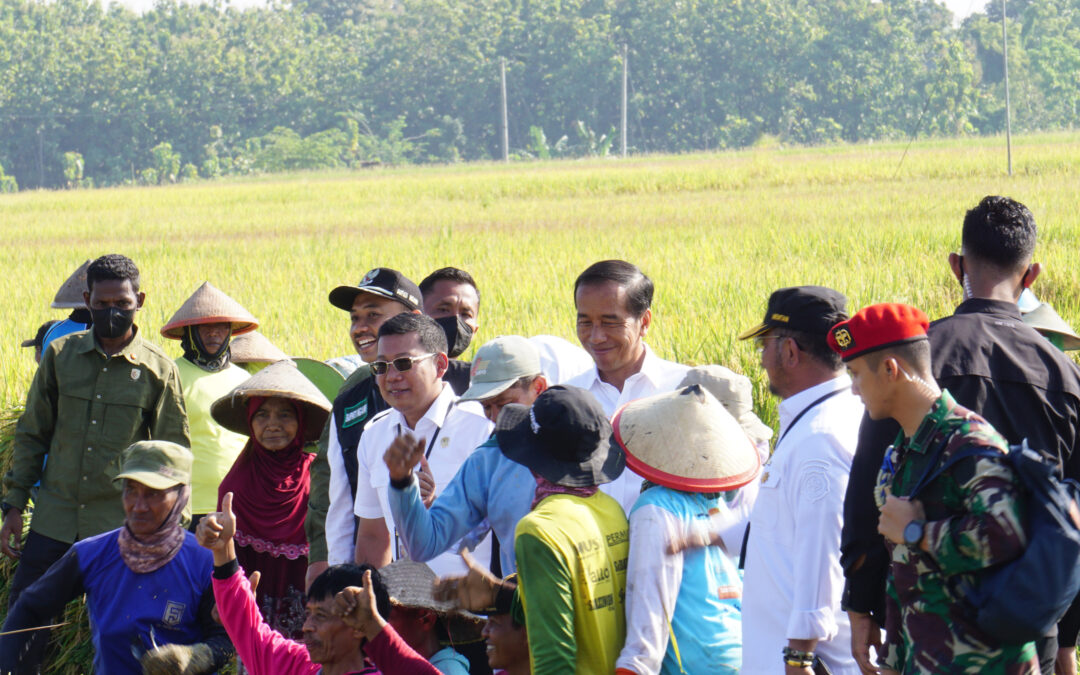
(622, 134)
(1008, 111)
(505, 117)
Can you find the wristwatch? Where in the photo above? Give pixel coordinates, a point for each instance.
(913, 533)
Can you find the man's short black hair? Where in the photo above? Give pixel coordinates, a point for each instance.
(112, 267)
(916, 354)
(817, 346)
(1000, 231)
(337, 577)
(432, 337)
(639, 288)
(454, 274)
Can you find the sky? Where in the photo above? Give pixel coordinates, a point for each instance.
(960, 8)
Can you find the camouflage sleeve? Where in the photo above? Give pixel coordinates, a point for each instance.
(318, 500)
(893, 657)
(990, 531)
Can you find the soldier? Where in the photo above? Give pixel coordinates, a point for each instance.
(942, 523)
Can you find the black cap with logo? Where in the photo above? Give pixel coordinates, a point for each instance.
(810, 309)
(383, 282)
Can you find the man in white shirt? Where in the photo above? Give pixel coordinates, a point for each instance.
(613, 300)
(793, 582)
(408, 370)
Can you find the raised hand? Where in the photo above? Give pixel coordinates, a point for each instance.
(475, 591)
(427, 482)
(216, 531)
(404, 453)
(356, 607)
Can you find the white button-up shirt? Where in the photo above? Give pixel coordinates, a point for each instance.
(793, 576)
(655, 377)
(461, 429)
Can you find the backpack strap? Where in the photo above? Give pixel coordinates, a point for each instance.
(932, 471)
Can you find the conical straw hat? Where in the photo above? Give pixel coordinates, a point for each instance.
(254, 347)
(70, 295)
(1045, 320)
(209, 305)
(734, 392)
(685, 440)
(409, 585)
(281, 379)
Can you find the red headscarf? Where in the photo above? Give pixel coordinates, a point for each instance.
(270, 491)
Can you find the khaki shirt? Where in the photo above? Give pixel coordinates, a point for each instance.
(84, 409)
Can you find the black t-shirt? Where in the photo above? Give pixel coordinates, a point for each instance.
(1002, 369)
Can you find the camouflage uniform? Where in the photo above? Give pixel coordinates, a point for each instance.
(974, 520)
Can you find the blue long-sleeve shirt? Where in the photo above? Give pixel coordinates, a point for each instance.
(487, 486)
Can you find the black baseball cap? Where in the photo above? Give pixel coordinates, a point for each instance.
(564, 436)
(383, 282)
(810, 309)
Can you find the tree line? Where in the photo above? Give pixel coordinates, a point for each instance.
(94, 95)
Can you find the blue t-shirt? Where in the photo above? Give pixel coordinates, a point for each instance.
(707, 621)
(487, 486)
(127, 608)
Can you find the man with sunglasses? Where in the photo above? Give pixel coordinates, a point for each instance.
(791, 593)
(408, 370)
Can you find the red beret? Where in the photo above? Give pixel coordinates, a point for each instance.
(877, 327)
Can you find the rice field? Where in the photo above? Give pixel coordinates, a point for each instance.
(716, 232)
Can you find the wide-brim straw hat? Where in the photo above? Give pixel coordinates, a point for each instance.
(410, 583)
(1045, 320)
(685, 440)
(283, 380)
(735, 393)
(254, 347)
(209, 305)
(70, 295)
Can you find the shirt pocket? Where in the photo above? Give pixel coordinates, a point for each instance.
(127, 411)
(766, 513)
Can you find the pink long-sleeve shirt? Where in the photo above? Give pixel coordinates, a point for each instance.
(264, 651)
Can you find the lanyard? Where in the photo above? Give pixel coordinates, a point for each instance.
(746, 534)
(431, 443)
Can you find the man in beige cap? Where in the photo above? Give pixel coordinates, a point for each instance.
(94, 394)
(147, 584)
(205, 325)
(488, 486)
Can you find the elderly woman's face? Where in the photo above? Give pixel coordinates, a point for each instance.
(274, 424)
(145, 507)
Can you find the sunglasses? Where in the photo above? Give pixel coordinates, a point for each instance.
(400, 364)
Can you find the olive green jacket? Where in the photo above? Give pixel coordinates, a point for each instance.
(84, 409)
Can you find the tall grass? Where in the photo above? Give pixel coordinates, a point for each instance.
(716, 232)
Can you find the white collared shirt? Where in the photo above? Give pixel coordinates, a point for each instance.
(656, 376)
(793, 576)
(461, 428)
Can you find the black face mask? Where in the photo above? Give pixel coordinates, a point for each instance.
(112, 322)
(458, 334)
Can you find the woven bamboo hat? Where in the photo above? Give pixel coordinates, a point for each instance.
(1048, 322)
(254, 347)
(410, 585)
(209, 305)
(281, 379)
(70, 295)
(734, 392)
(685, 440)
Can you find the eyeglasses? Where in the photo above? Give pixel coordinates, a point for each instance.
(759, 341)
(400, 364)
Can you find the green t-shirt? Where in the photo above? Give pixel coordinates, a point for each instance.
(571, 559)
(215, 448)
